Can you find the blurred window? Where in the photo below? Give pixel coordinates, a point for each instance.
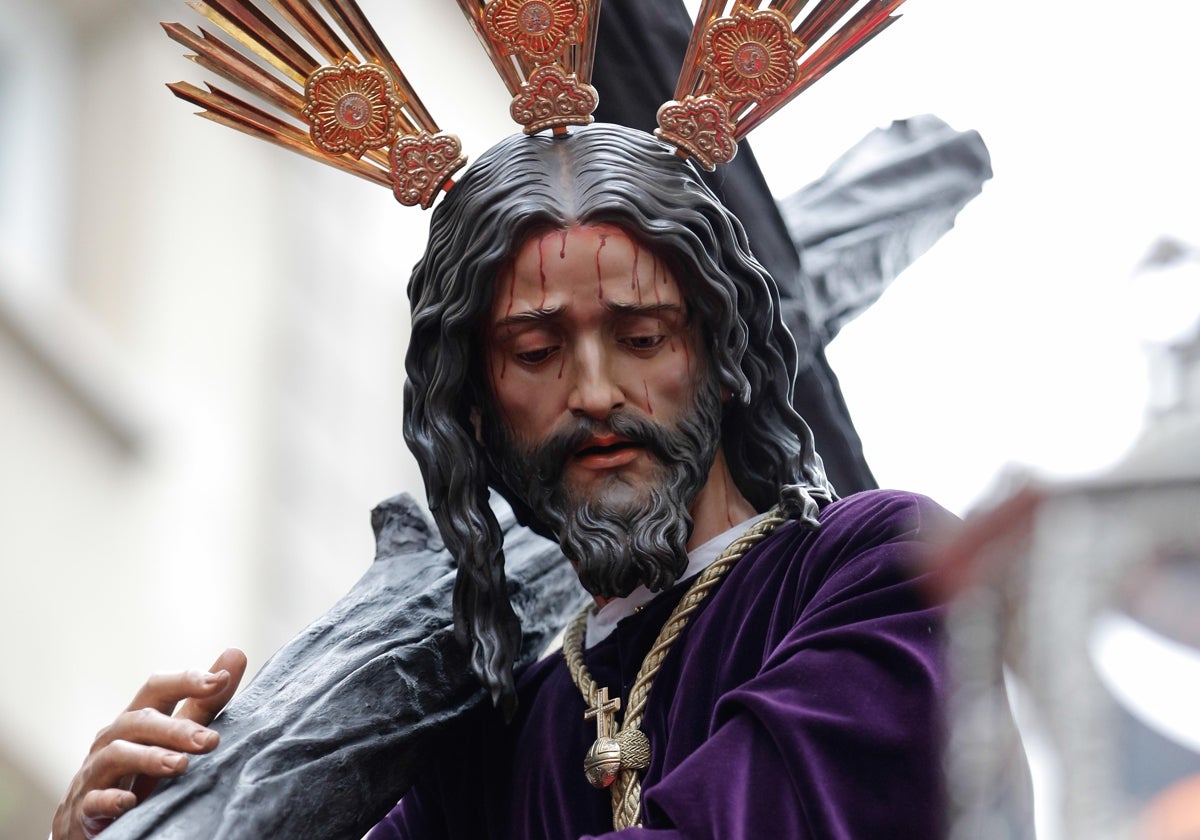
(36, 114)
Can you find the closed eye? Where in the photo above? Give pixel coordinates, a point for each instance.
(643, 342)
(535, 357)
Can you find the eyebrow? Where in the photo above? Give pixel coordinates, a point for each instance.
(544, 314)
(643, 308)
(529, 316)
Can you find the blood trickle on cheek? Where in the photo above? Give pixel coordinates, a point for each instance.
(646, 391)
(492, 365)
(509, 276)
(562, 251)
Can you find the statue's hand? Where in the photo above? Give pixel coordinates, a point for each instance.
(149, 741)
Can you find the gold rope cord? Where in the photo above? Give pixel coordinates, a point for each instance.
(627, 789)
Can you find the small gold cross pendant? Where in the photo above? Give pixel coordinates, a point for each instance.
(604, 711)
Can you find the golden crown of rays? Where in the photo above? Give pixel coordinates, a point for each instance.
(322, 84)
(744, 62)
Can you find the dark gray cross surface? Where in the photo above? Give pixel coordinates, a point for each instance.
(331, 731)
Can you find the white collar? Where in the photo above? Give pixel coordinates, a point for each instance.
(603, 621)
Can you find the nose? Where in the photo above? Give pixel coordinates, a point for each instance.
(595, 391)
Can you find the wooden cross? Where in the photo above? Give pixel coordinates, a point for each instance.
(604, 711)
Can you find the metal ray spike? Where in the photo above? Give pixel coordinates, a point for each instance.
(329, 90)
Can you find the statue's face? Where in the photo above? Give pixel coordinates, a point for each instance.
(584, 323)
(603, 417)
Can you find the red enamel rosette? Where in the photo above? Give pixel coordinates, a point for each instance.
(351, 108)
(536, 30)
(751, 55)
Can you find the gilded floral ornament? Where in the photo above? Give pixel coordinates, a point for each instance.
(536, 30)
(699, 126)
(351, 108)
(751, 55)
(422, 165)
(551, 99)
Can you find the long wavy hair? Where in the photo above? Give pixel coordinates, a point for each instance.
(623, 177)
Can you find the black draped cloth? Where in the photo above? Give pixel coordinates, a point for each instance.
(895, 194)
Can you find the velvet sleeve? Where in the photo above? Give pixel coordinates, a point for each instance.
(407, 821)
(838, 734)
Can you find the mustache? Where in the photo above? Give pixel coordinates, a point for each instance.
(551, 455)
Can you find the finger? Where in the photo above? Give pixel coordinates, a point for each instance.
(164, 691)
(203, 709)
(151, 727)
(108, 766)
(102, 806)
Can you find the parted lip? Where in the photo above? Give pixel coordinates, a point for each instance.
(607, 452)
(604, 444)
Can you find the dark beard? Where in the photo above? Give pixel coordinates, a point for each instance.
(617, 539)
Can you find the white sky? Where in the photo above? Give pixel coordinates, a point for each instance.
(1010, 341)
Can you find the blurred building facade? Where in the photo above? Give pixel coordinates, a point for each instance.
(201, 360)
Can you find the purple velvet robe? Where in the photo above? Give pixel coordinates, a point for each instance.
(803, 700)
